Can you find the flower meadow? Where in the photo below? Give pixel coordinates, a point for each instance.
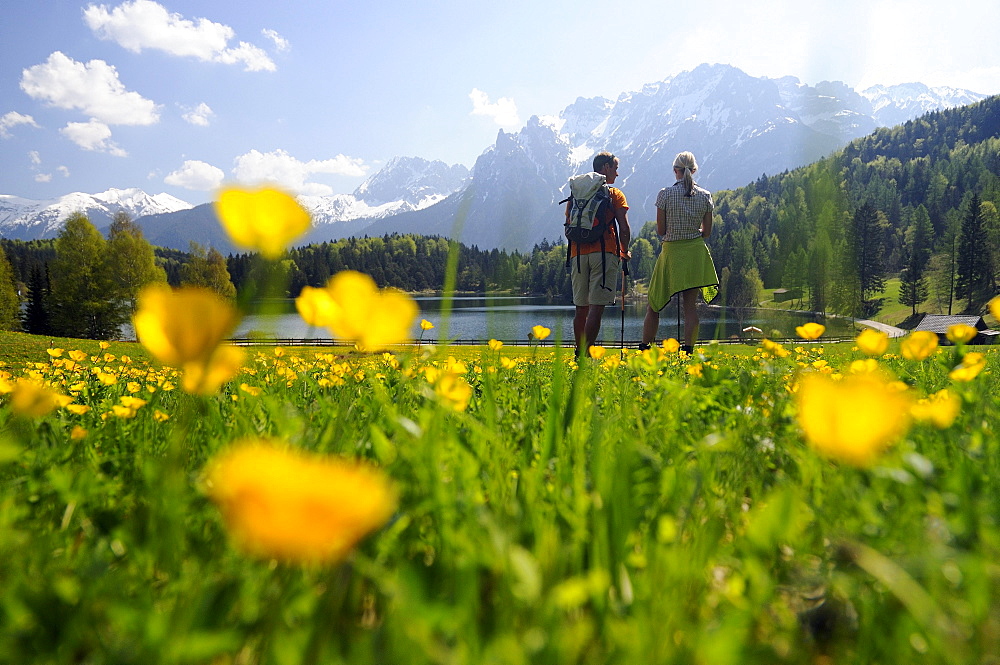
(194, 502)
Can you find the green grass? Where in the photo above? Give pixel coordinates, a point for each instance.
(656, 510)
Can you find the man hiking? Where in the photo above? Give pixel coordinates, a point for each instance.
(595, 265)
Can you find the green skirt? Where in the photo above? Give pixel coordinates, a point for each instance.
(682, 265)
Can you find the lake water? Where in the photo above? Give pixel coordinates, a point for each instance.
(510, 318)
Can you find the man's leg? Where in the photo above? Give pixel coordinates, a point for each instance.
(579, 325)
(593, 324)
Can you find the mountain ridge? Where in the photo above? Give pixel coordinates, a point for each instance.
(740, 127)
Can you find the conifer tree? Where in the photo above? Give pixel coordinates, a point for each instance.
(974, 272)
(36, 314)
(10, 301)
(914, 288)
(867, 242)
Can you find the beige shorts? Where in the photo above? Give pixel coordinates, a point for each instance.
(587, 282)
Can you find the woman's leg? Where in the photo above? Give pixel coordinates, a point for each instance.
(690, 297)
(649, 326)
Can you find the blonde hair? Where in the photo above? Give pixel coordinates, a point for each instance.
(685, 162)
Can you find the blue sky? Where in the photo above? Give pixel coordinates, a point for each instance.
(179, 96)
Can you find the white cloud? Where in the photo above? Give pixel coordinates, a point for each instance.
(43, 177)
(13, 119)
(253, 57)
(282, 169)
(93, 135)
(196, 175)
(63, 170)
(280, 43)
(35, 158)
(93, 88)
(503, 111)
(143, 24)
(199, 115)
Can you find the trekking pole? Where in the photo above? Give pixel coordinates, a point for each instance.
(624, 277)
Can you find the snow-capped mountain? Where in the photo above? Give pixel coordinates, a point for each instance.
(28, 219)
(404, 184)
(738, 126)
(895, 104)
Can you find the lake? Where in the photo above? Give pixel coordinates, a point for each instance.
(510, 318)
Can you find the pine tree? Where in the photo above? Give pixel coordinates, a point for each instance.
(974, 270)
(867, 242)
(10, 300)
(36, 314)
(914, 288)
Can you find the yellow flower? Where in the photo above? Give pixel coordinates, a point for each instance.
(695, 369)
(671, 345)
(182, 326)
(266, 220)
(919, 345)
(373, 318)
(315, 306)
(133, 387)
(454, 389)
(159, 416)
(250, 390)
(78, 409)
(184, 329)
(872, 342)
(970, 367)
(55, 353)
(107, 379)
(495, 344)
(597, 352)
(775, 349)
(205, 378)
(961, 333)
(426, 325)
(78, 355)
(77, 433)
(508, 363)
(123, 412)
(540, 332)
(35, 400)
(863, 366)
(940, 409)
(294, 506)
(133, 402)
(810, 330)
(853, 419)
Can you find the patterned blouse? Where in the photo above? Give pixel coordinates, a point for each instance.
(684, 214)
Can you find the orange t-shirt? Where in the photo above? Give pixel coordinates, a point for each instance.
(618, 202)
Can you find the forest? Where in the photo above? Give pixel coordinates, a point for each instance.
(917, 201)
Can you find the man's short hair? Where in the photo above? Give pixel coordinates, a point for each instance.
(602, 159)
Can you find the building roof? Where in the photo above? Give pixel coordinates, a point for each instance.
(939, 323)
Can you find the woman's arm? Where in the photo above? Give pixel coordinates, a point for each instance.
(661, 222)
(706, 224)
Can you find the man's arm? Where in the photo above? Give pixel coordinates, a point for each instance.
(624, 231)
